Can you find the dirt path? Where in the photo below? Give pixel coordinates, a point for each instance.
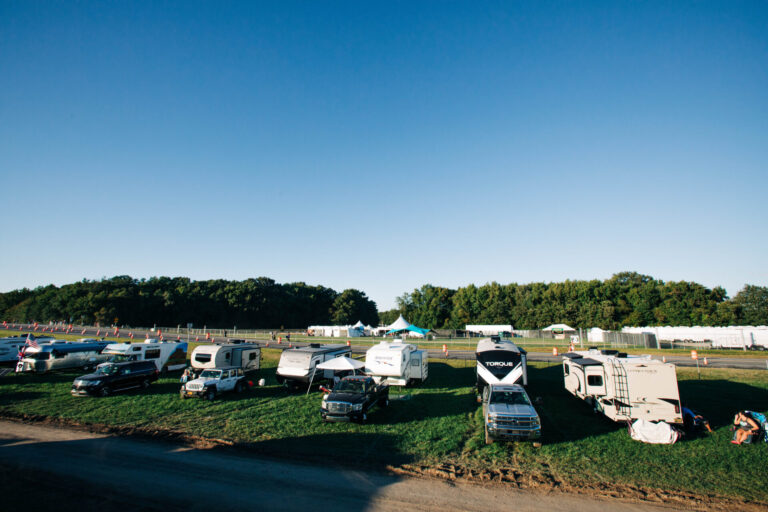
(76, 470)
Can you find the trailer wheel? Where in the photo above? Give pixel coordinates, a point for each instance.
(488, 438)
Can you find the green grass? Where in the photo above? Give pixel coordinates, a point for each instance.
(440, 422)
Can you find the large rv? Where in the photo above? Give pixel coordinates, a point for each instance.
(61, 355)
(624, 388)
(396, 363)
(12, 345)
(218, 355)
(167, 355)
(500, 361)
(297, 365)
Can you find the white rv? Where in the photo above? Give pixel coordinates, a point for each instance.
(624, 388)
(500, 361)
(61, 355)
(12, 345)
(297, 365)
(396, 363)
(219, 355)
(167, 355)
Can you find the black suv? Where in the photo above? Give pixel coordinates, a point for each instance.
(111, 377)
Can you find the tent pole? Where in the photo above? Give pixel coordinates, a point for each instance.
(311, 379)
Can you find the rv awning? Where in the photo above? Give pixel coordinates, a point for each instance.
(341, 363)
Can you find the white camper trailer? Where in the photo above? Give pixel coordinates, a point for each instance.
(624, 388)
(396, 363)
(167, 355)
(60, 355)
(12, 345)
(218, 355)
(500, 361)
(297, 365)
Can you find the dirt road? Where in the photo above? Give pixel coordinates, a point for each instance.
(47, 468)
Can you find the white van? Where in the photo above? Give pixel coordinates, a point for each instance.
(168, 356)
(396, 363)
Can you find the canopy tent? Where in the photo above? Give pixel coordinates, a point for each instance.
(399, 324)
(559, 327)
(336, 364)
(358, 325)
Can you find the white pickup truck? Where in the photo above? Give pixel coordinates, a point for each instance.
(214, 381)
(508, 414)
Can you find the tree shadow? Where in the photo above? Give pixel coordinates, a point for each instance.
(18, 396)
(442, 375)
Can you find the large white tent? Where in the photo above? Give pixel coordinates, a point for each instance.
(337, 364)
(399, 324)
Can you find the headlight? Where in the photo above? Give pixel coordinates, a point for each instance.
(357, 407)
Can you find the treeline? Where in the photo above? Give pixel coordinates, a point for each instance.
(253, 303)
(626, 299)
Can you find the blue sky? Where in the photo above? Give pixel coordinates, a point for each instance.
(382, 146)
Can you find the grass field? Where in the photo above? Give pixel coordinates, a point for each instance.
(440, 422)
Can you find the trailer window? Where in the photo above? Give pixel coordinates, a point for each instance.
(252, 356)
(136, 349)
(594, 380)
(152, 354)
(566, 369)
(415, 362)
(203, 358)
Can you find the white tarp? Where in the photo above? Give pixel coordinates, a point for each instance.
(654, 433)
(341, 364)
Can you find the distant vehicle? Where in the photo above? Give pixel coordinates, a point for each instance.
(112, 377)
(508, 414)
(624, 388)
(219, 355)
(297, 365)
(166, 355)
(396, 363)
(12, 345)
(213, 382)
(499, 361)
(352, 398)
(61, 355)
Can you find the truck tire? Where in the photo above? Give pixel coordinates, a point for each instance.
(488, 438)
(210, 394)
(182, 395)
(105, 391)
(363, 418)
(145, 384)
(384, 401)
(239, 387)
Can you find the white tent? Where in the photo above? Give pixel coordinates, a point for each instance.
(400, 323)
(559, 327)
(358, 325)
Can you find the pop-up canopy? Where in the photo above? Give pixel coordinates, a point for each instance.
(336, 364)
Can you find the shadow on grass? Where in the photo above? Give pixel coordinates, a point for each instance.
(720, 400)
(443, 375)
(18, 396)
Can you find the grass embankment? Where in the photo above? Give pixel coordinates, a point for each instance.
(440, 423)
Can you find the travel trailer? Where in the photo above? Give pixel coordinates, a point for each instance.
(60, 355)
(297, 365)
(624, 388)
(12, 345)
(167, 355)
(500, 361)
(218, 355)
(396, 363)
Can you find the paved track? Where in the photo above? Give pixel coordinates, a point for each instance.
(125, 474)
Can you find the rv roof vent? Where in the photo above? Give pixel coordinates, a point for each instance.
(609, 352)
(496, 338)
(314, 345)
(622, 354)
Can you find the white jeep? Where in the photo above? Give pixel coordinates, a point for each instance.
(215, 381)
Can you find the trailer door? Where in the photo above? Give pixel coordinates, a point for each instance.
(595, 380)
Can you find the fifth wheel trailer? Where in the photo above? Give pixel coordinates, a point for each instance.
(500, 361)
(624, 388)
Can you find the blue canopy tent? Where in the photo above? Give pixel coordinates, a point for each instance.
(412, 328)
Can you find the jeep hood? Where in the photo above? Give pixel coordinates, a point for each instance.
(203, 382)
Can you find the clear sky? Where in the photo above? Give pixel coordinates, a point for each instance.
(382, 146)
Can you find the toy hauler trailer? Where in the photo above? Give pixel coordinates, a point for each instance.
(500, 361)
(61, 355)
(396, 363)
(219, 355)
(167, 355)
(624, 388)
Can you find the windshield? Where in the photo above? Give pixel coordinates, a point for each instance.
(40, 356)
(120, 358)
(295, 359)
(109, 369)
(349, 386)
(509, 397)
(210, 374)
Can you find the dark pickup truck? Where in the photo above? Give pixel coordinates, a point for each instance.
(352, 398)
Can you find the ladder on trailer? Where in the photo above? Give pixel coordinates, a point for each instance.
(621, 389)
